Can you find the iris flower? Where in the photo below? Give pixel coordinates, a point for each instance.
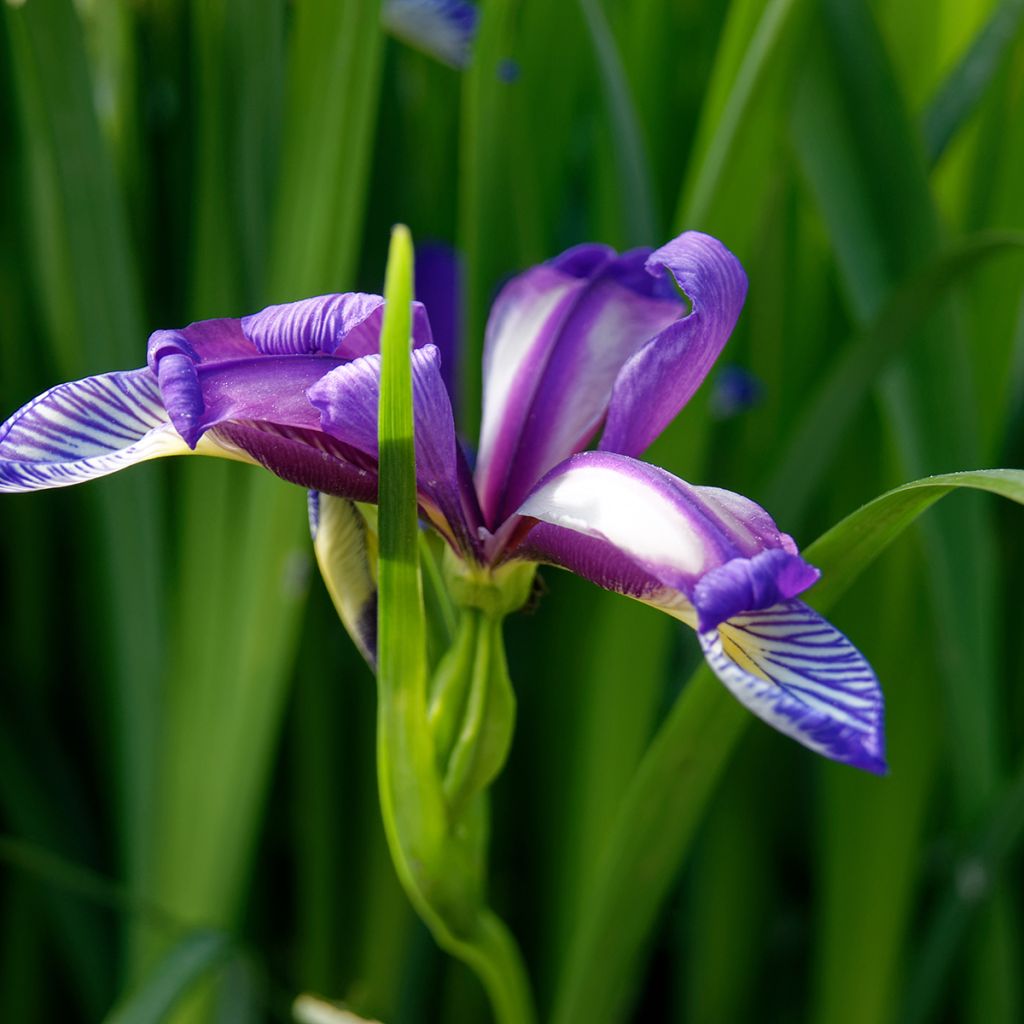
(587, 359)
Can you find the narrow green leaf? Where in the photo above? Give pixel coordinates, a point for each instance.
(635, 188)
(85, 267)
(963, 89)
(830, 411)
(655, 824)
(410, 792)
(867, 170)
(758, 40)
(186, 963)
(401, 599)
(846, 550)
(332, 93)
(975, 871)
(483, 185)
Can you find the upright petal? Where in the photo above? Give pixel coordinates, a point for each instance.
(798, 673)
(557, 339)
(347, 400)
(718, 549)
(86, 428)
(660, 378)
(346, 326)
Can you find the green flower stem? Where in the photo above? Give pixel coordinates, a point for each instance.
(440, 865)
(438, 848)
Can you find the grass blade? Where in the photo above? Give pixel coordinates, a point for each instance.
(635, 188)
(186, 963)
(964, 88)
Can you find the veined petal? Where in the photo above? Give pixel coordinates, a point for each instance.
(557, 339)
(798, 673)
(720, 550)
(346, 326)
(309, 458)
(787, 664)
(86, 428)
(348, 399)
(444, 29)
(206, 341)
(660, 378)
(345, 549)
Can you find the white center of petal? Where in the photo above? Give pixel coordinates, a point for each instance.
(628, 511)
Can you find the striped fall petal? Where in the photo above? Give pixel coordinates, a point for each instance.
(84, 429)
(797, 672)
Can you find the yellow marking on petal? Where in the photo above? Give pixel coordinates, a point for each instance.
(737, 653)
(673, 603)
(214, 444)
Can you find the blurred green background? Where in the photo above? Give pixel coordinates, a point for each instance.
(187, 798)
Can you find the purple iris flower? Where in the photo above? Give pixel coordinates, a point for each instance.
(588, 357)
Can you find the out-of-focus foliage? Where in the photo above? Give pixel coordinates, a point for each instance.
(187, 790)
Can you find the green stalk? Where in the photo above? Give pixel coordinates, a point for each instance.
(439, 857)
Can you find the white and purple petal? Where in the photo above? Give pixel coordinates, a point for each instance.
(798, 673)
(84, 429)
(522, 330)
(444, 29)
(345, 325)
(347, 401)
(557, 339)
(661, 377)
(720, 550)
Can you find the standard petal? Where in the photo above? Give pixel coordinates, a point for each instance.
(660, 378)
(557, 339)
(345, 549)
(798, 673)
(347, 400)
(444, 29)
(345, 325)
(84, 429)
(720, 550)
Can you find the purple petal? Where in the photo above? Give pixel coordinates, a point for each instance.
(347, 400)
(346, 326)
(439, 288)
(557, 339)
(592, 558)
(270, 389)
(660, 378)
(444, 29)
(308, 458)
(798, 673)
(84, 429)
(206, 341)
(341, 540)
(720, 550)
